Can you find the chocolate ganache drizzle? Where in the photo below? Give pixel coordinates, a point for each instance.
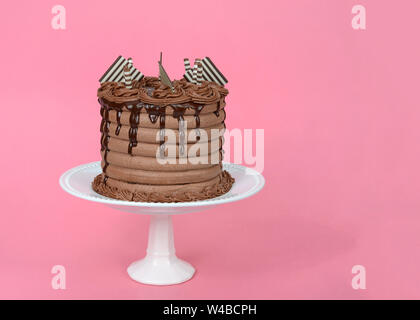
(134, 125)
(151, 95)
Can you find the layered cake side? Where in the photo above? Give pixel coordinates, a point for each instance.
(141, 161)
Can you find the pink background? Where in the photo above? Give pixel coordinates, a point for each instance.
(340, 109)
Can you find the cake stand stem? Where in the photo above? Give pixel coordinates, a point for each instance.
(160, 266)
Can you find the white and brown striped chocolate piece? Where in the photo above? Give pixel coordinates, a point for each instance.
(187, 65)
(127, 77)
(199, 72)
(210, 72)
(188, 71)
(195, 70)
(189, 76)
(115, 72)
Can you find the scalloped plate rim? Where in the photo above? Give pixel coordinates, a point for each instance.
(226, 198)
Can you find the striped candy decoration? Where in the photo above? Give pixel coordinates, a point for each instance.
(210, 73)
(115, 72)
(127, 76)
(188, 72)
(199, 72)
(187, 65)
(195, 70)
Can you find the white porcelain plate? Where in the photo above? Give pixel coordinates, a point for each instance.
(77, 181)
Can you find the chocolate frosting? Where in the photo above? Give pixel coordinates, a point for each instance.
(222, 186)
(150, 90)
(150, 104)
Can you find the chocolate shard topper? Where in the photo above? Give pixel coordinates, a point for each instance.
(164, 78)
(209, 71)
(115, 72)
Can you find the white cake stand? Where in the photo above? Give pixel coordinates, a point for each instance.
(160, 266)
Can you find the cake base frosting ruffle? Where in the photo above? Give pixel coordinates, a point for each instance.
(163, 193)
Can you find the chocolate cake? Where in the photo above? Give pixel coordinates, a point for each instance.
(137, 162)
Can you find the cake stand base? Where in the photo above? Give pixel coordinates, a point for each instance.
(160, 266)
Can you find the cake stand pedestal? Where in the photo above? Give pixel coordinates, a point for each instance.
(160, 266)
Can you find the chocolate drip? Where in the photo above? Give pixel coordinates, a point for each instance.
(197, 122)
(134, 126)
(117, 130)
(179, 111)
(102, 107)
(155, 113)
(105, 123)
(102, 125)
(197, 109)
